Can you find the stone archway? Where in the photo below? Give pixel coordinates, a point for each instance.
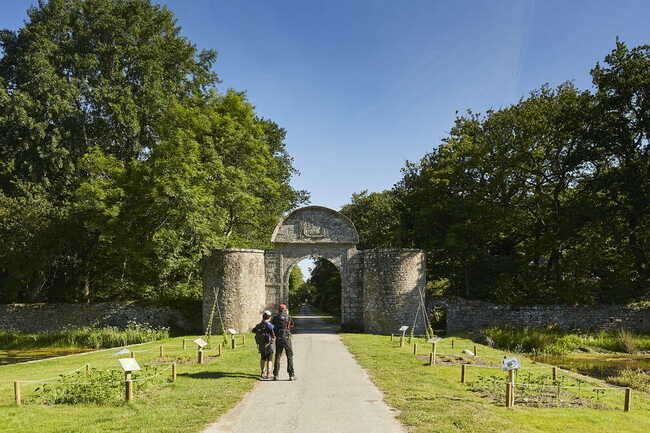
(381, 289)
(316, 231)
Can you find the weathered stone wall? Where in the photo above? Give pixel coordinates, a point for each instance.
(391, 279)
(53, 317)
(464, 315)
(238, 277)
(352, 287)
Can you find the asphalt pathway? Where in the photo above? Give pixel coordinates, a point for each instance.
(333, 394)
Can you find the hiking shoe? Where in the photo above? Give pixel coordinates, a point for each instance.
(292, 377)
(275, 377)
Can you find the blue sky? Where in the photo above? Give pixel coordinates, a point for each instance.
(361, 86)
(364, 85)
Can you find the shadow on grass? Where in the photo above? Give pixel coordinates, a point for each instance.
(218, 375)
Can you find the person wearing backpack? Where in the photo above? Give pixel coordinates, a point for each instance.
(282, 323)
(264, 337)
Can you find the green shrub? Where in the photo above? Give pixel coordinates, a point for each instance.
(94, 338)
(101, 387)
(553, 340)
(637, 379)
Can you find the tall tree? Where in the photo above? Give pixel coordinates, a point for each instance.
(110, 120)
(375, 218)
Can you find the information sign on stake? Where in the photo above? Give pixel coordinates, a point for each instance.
(434, 340)
(129, 364)
(403, 328)
(510, 364)
(232, 331)
(200, 342)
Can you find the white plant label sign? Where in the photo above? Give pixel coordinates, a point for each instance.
(510, 364)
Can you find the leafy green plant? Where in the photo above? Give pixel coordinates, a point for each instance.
(101, 387)
(86, 337)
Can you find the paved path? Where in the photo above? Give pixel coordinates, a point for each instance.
(333, 394)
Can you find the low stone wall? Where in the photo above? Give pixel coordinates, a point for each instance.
(52, 317)
(464, 315)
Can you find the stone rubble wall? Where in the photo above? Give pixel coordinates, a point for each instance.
(391, 280)
(238, 277)
(465, 315)
(53, 317)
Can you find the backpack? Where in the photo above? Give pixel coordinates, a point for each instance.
(262, 334)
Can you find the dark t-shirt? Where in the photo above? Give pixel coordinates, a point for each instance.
(283, 325)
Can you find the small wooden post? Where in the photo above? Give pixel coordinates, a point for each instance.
(200, 356)
(173, 372)
(431, 358)
(554, 373)
(452, 343)
(19, 400)
(219, 350)
(401, 341)
(415, 348)
(162, 351)
(233, 343)
(184, 344)
(511, 376)
(87, 369)
(391, 337)
(475, 351)
(132, 354)
(508, 392)
(462, 373)
(243, 339)
(433, 354)
(128, 392)
(628, 399)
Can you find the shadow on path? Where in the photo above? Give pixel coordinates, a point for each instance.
(218, 375)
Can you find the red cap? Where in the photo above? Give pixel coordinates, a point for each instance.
(283, 307)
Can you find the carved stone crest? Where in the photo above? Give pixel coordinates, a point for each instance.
(309, 230)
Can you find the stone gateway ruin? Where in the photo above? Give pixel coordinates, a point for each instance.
(381, 288)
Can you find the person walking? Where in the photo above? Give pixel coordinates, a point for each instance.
(264, 337)
(282, 324)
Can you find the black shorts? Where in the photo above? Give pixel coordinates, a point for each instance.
(266, 352)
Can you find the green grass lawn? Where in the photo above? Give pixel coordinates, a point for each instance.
(199, 396)
(432, 399)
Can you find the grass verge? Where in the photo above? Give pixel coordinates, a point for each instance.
(199, 396)
(432, 399)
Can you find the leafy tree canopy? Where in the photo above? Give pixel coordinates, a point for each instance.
(122, 166)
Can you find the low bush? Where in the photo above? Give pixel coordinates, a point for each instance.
(633, 378)
(94, 338)
(101, 387)
(552, 340)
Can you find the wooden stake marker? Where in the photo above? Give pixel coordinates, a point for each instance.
(554, 373)
(628, 399)
(162, 351)
(184, 344)
(173, 372)
(431, 358)
(415, 348)
(17, 393)
(200, 356)
(87, 369)
(475, 351)
(462, 373)
(128, 391)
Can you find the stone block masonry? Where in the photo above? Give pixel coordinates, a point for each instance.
(465, 315)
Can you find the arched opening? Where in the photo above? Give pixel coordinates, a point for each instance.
(315, 282)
